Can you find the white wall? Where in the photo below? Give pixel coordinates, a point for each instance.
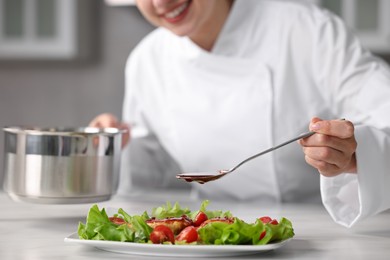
(71, 94)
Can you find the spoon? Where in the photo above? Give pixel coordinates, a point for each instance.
(203, 177)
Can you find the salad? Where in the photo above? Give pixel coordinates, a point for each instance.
(173, 224)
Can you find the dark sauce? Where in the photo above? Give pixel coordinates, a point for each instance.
(200, 178)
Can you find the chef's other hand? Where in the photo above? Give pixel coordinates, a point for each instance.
(109, 120)
(332, 149)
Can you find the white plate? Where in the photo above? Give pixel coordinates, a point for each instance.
(174, 250)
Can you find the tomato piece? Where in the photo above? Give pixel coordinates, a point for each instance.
(117, 221)
(269, 220)
(265, 219)
(189, 234)
(161, 234)
(262, 235)
(200, 218)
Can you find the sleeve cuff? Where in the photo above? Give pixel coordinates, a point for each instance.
(352, 197)
(340, 196)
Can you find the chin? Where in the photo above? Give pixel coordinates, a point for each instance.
(182, 31)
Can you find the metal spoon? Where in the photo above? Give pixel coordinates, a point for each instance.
(203, 177)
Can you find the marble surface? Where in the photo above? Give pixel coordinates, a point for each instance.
(35, 231)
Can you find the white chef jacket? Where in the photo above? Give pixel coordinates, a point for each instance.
(275, 65)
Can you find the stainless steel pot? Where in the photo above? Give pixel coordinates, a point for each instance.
(61, 166)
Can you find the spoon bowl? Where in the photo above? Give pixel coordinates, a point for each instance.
(203, 177)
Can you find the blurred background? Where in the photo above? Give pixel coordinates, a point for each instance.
(62, 61)
(69, 80)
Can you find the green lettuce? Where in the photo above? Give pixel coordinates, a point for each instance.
(242, 233)
(210, 213)
(276, 233)
(169, 211)
(99, 227)
(222, 233)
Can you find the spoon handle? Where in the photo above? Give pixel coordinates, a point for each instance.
(304, 135)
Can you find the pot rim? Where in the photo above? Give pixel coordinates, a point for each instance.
(63, 131)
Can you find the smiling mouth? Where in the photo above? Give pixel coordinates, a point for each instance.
(176, 13)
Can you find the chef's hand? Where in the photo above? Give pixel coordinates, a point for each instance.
(109, 120)
(332, 149)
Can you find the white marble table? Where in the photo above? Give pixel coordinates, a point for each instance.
(33, 231)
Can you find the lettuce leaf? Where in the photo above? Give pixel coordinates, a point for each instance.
(210, 213)
(276, 233)
(238, 233)
(99, 227)
(168, 211)
(242, 233)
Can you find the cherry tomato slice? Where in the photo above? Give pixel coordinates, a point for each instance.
(200, 218)
(117, 221)
(265, 219)
(189, 234)
(262, 235)
(161, 234)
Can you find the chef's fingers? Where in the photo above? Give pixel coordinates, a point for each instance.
(328, 155)
(126, 134)
(331, 152)
(339, 128)
(328, 169)
(324, 168)
(109, 120)
(314, 120)
(347, 146)
(104, 120)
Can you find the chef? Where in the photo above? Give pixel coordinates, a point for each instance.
(221, 80)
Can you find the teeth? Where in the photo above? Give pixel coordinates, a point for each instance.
(176, 11)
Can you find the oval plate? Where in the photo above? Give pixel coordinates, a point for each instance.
(175, 250)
